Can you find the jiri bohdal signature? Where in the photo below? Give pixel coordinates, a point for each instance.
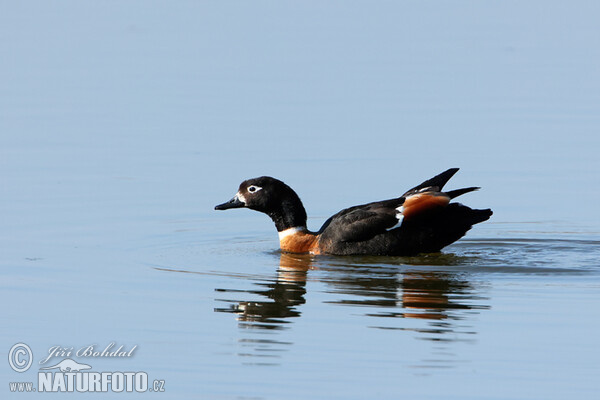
(91, 351)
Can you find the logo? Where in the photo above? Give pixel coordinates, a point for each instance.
(68, 375)
(68, 365)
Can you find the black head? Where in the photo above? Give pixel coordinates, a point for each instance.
(272, 197)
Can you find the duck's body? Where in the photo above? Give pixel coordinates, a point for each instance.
(423, 220)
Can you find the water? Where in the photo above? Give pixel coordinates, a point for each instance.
(122, 125)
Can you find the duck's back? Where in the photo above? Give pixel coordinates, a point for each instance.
(373, 229)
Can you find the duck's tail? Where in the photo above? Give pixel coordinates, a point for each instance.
(478, 216)
(458, 192)
(432, 232)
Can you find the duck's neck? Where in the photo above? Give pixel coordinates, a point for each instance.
(289, 214)
(290, 220)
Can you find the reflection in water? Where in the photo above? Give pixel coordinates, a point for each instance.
(437, 297)
(417, 294)
(433, 298)
(284, 294)
(433, 295)
(273, 301)
(436, 306)
(389, 293)
(442, 300)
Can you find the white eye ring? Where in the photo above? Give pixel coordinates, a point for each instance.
(253, 188)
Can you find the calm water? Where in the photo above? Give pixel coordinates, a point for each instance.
(122, 125)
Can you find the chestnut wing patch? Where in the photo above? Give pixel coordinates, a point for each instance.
(421, 203)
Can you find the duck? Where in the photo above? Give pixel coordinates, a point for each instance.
(423, 220)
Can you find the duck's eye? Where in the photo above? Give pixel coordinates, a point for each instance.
(253, 189)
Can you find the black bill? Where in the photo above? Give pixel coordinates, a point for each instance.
(233, 203)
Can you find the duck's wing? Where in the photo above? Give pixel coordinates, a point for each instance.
(435, 184)
(363, 222)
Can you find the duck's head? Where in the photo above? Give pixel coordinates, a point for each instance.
(272, 197)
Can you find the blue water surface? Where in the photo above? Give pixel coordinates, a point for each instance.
(122, 124)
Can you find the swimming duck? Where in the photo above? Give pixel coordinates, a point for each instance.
(422, 220)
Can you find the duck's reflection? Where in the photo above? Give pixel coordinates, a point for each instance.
(284, 295)
(399, 294)
(429, 295)
(383, 290)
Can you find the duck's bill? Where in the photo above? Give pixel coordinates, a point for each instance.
(233, 203)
